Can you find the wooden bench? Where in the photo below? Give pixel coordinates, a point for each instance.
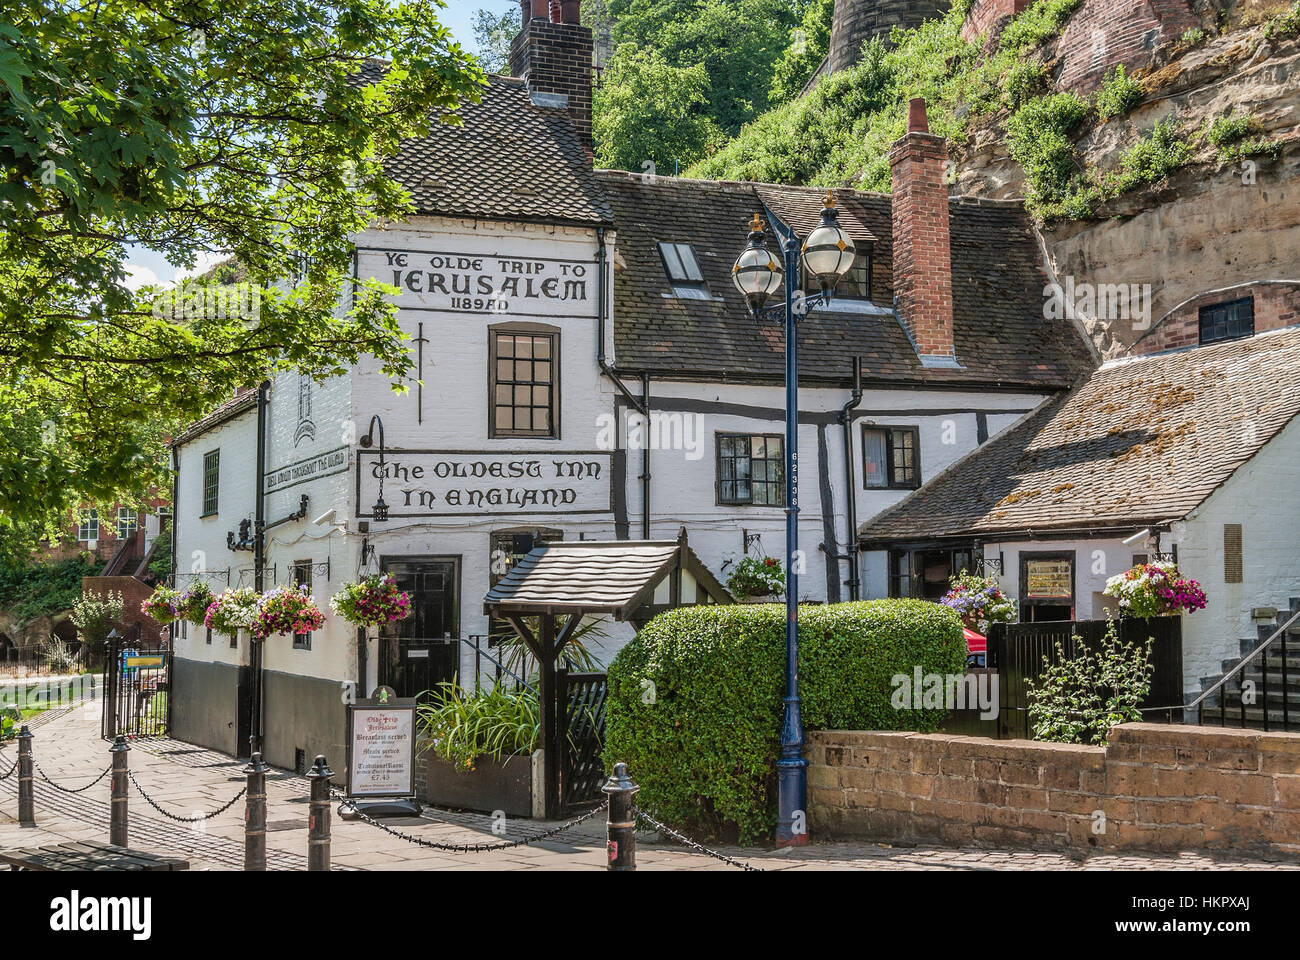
(88, 856)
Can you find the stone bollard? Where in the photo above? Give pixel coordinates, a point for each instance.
(117, 830)
(26, 785)
(620, 822)
(255, 814)
(318, 824)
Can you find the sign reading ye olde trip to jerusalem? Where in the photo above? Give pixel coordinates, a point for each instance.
(426, 483)
(479, 283)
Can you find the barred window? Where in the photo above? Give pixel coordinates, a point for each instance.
(211, 481)
(524, 382)
(751, 469)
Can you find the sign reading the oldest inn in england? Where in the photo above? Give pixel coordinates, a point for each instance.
(426, 483)
(449, 282)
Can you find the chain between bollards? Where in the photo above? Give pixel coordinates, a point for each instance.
(620, 829)
(26, 786)
(117, 830)
(255, 814)
(318, 823)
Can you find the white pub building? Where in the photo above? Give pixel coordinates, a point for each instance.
(551, 308)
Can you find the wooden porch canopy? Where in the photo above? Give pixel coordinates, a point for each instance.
(630, 580)
(626, 579)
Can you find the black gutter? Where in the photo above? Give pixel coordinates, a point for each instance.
(851, 502)
(641, 406)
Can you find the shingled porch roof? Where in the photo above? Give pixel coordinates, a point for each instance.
(616, 577)
(1143, 440)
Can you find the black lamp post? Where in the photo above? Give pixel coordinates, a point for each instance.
(827, 255)
(379, 512)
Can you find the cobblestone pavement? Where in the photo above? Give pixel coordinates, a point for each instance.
(186, 780)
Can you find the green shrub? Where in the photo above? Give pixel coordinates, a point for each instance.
(1025, 80)
(1193, 37)
(1039, 138)
(696, 698)
(1154, 157)
(1119, 93)
(31, 590)
(1284, 25)
(461, 727)
(1237, 135)
(1078, 700)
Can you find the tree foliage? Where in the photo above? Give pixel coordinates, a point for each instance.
(737, 43)
(189, 128)
(493, 34)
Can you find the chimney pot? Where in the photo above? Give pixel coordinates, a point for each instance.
(917, 122)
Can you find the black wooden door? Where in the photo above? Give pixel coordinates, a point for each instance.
(418, 653)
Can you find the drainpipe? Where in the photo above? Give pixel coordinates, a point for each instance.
(259, 562)
(641, 406)
(176, 493)
(851, 497)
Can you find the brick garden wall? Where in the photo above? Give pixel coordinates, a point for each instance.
(983, 14)
(1161, 788)
(1277, 305)
(1103, 33)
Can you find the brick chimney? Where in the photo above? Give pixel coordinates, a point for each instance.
(922, 244)
(553, 52)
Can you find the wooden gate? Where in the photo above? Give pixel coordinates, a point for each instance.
(137, 683)
(582, 699)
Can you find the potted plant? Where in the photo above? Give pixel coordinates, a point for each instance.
(287, 610)
(192, 605)
(162, 605)
(233, 610)
(756, 577)
(371, 601)
(979, 601)
(479, 748)
(1155, 590)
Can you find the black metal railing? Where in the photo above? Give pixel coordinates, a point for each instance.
(1263, 685)
(497, 671)
(136, 688)
(1019, 652)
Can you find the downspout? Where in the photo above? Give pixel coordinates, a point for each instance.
(259, 560)
(851, 495)
(641, 406)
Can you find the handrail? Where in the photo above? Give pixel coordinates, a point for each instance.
(478, 651)
(1245, 661)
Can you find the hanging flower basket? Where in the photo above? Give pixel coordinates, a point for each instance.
(1155, 590)
(192, 604)
(979, 601)
(756, 577)
(232, 611)
(287, 610)
(161, 605)
(371, 601)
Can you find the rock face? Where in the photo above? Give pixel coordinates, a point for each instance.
(1213, 226)
(857, 21)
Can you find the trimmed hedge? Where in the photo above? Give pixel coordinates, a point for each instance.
(695, 699)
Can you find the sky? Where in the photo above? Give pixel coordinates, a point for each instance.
(146, 266)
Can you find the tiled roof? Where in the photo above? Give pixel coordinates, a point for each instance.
(226, 411)
(591, 576)
(510, 159)
(1141, 441)
(1001, 335)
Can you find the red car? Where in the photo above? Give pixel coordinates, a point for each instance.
(976, 648)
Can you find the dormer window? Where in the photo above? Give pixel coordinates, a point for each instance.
(854, 285)
(683, 270)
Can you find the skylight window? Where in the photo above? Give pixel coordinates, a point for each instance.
(683, 270)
